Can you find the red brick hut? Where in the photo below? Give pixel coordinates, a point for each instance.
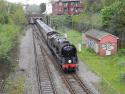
(102, 43)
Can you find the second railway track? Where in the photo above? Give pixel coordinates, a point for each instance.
(44, 77)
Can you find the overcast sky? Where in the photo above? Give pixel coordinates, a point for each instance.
(49, 7)
(29, 1)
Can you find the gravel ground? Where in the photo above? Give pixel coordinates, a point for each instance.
(90, 78)
(26, 63)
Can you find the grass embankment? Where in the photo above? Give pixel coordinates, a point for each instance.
(17, 86)
(110, 68)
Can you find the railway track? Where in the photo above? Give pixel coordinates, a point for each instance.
(72, 81)
(44, 77)
(2, 87)
(82, 84)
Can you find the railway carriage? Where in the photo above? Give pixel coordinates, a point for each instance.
(63, 50)
(45, 29)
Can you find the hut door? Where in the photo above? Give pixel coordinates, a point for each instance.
(108, 52)
(107, 47)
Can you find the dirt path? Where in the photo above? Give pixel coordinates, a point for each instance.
(90, 78)
(26, 63)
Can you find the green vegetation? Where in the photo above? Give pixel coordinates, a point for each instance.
(109, 11)
(92, 6)
(113, 18)
(86, 21)
(12, 20)
(61, 21)
(110, 68)
(17, 86)
(8, 35)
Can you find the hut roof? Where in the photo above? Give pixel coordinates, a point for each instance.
(97, 34)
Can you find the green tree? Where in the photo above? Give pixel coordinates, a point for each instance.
(113, 18)
(92, 5)
(3, 12)
(61, 21)
(17, 14)
(110, 11)
(110, 2)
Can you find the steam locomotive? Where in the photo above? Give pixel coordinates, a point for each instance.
(63, 50)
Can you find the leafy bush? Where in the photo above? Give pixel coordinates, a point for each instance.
(89, 50)
(61, 21)
(109, 11)
(122, 78)
(121, 52)
(86, 21)
(17, 15)
(8, 35)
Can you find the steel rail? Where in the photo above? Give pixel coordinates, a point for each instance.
(36, 62)
(82, 84)
(45, 63)
(2, 86)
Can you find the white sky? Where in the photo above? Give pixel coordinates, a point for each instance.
(49, 7)
(29, 1)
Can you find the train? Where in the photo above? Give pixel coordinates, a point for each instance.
(62, 49)
(31, 20)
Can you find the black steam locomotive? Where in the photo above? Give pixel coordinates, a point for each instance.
(63, 50)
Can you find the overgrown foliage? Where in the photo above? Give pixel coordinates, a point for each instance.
(85, 21)
(61, 21)
(110, 11)
(12, 19)
(3, 13)
(16, 14)
(92, 5)
(8, 35)
(113, 18)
